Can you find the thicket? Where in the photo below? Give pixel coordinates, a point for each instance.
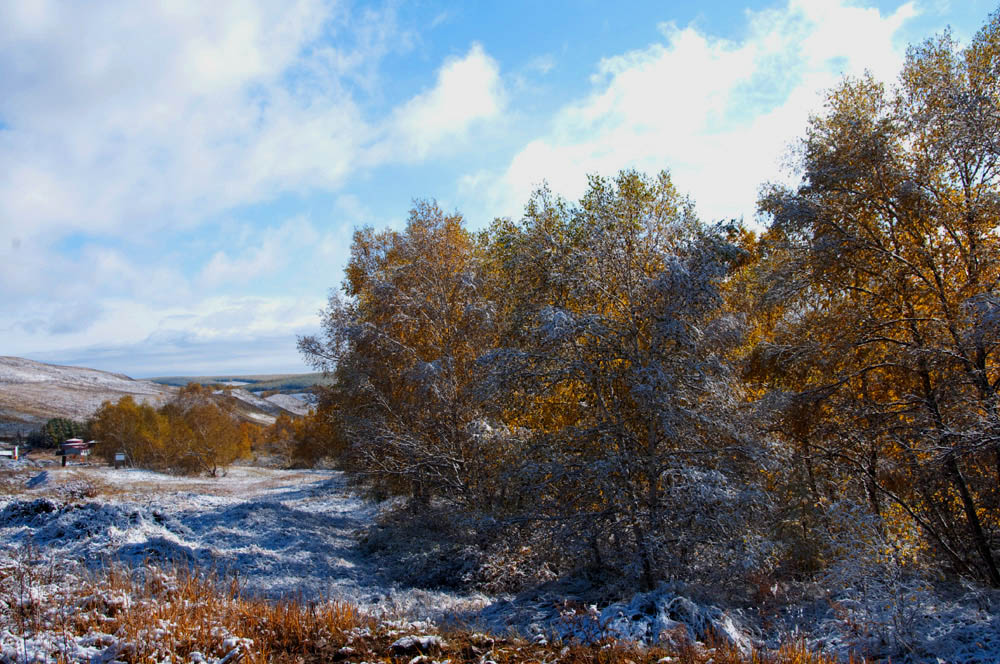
(297, 442)
(57, 430)
(193, 433)
(616, 386)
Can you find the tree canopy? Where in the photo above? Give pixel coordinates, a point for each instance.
(192, 433)
(613, 386)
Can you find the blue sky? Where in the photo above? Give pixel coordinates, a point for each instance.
(179, 181)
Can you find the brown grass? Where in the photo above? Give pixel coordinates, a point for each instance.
(66, 484)
(174, 616)
(93, 479)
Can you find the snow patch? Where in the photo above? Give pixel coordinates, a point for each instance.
(290, 402)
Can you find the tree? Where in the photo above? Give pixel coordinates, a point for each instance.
(616, 376)
(203, 436)
(402, 348)
(881, 273)
(314, 437)
(59, 429)
(206, 439)
(189, 434)
(135, 429)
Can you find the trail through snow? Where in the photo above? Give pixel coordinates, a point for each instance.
(285, 533)
(281, 533)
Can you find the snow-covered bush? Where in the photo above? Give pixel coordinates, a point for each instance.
(886, 602)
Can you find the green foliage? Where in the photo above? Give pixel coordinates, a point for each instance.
(37, 438)
(59, 429)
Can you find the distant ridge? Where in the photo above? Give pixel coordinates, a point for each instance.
(252, 383)
(32, 392)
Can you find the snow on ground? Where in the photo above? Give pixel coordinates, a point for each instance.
(253, 400)
(18, 370)
(282, 533)
(31, 392)
(286, 533)
(293, 533)
(290, 402)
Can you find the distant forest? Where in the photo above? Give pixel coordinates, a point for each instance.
(256, 383)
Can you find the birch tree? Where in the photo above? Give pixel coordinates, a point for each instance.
(401, 345)
(882, 292)
(616, 375)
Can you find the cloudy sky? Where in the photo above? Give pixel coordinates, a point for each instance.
(179, 181)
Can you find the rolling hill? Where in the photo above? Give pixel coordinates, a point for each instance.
(286, 383)
(32, 392)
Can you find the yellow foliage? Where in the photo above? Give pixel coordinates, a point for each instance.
(190, 434)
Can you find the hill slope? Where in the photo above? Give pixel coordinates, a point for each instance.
(32, 392)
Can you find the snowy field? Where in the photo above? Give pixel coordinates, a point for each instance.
(294, 534)
(280, 533)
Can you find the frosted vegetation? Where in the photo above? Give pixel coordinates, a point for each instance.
(32, 392)
(801, 424)
(609, 419)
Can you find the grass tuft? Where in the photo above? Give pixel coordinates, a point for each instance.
(57, 614)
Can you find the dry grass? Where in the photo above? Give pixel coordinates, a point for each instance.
(94, 479)
(71, 484)
(12, 481)
(178, 616)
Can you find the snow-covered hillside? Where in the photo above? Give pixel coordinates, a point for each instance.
(291, 402)
(31, 392)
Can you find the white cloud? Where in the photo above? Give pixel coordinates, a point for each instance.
(541, 64)
(719, 114)
(124, 118)
(260, 253)
(169, 353)
(162, 113)
(221, 268)
(98, 294)
(122, 124)
(468, 90)
(219, 323)
(126, 126)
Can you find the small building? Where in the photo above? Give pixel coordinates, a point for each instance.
(76, 447)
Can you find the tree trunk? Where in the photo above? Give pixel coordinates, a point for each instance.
(978, 536)
(642, 544)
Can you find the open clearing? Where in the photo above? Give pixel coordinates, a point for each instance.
(293, 534)
(281, 533)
